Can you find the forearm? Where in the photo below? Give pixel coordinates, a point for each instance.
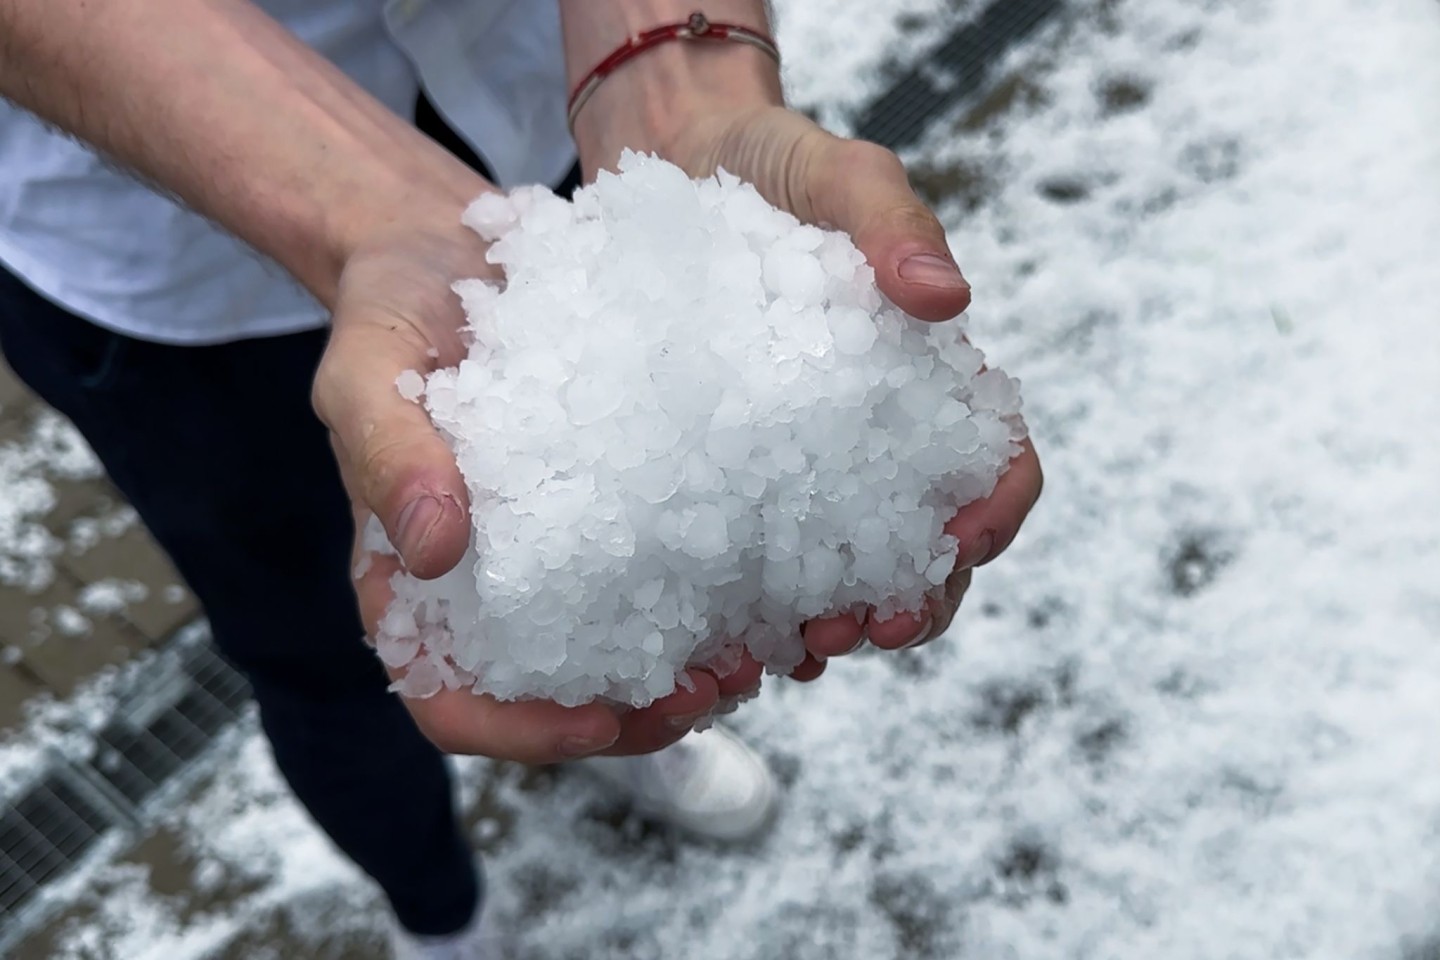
(661, 95)
(215, 102)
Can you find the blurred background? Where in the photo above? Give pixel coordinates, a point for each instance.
(1194, 712)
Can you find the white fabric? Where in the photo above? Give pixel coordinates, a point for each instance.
(475, 942)
(709, 783)
(100, 243)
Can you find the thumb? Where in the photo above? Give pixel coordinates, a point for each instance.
(862, 188)
(391, 454)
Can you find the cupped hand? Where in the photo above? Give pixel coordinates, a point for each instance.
(983, 528)
(862, 189)
(394, 311)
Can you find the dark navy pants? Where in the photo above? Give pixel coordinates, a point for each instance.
(220, 453)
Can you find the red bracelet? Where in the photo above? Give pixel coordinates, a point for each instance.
(698, 27)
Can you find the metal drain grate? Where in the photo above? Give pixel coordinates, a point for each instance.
(954, 71)
(44, 834)
(171, 713)
(171, 726)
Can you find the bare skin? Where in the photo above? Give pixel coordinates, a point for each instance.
(216, 103)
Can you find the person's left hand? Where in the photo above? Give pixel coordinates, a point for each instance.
(863, 190)
(986, 526)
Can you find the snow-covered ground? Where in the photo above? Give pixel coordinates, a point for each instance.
(1195, 711)
(50, 448)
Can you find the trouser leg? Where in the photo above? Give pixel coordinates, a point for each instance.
(218, 450)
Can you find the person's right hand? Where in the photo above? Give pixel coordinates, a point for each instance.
(394, 311)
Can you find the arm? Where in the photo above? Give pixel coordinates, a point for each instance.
(220, 105)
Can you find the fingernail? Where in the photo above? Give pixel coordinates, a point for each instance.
(416, 521)
(922, 636)
(978, 551)
(932, 271)
(583, 746)
(862, 617)
(684, 723)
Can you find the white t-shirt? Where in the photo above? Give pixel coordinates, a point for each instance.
(100, 243)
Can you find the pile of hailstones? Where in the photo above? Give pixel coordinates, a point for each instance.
(688, 423)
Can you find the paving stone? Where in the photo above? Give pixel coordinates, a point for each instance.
(19, 624)
(16, 688)
(47, 942)
(13, 394)
(60, 661)
(163, 611)
(14, 427)
(328, 925)
(50, 661)
(342, 923)
(88, 497)
(171, 868)
(134, 556)
(65, 662)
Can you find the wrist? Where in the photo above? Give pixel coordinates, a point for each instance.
(654, 101)
(368, 206)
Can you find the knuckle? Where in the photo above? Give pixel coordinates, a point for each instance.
(377, 467)
(848, 160)
(913, 216)
(379, 454)
(864, 157)
(322, 389)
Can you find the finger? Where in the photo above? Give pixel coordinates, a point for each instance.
(902, 629)
(809, 669)
(668, 719)
(531, 731)
(460, 722)
(986, 527)
(944, 607)
(834, 636)
(863, 189)
(398, 464)
(983, 529)
(744, 679)
(908, 630)
(372, 571)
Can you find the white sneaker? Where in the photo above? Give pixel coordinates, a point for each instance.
(475, 942)
(710, 784)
